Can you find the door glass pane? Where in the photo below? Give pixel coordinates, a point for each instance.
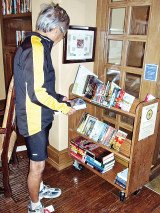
(110, 114)
(139, 20)
(135, 53)
(117, 17)
(127, 120)
(132, 84)
(113, 75)
(114, 52)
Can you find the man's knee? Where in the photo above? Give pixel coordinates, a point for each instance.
(37, 167)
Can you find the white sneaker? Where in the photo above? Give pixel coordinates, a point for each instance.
(38, 209)
(48, 192)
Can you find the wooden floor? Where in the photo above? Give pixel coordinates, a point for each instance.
(82, 192)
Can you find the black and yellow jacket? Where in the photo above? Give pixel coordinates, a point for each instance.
(34, 77)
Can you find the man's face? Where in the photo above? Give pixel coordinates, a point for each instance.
(56, 35)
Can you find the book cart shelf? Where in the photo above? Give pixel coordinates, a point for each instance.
(137, 154)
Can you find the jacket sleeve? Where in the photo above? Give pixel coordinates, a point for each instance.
(33, 60)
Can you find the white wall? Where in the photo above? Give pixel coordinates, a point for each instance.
(82, 13)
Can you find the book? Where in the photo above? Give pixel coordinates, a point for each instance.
(97, 152)
(105, 95)
(149, 97)
(97, 129)
(87, 123)
(114, 96)
(124, 182)
(90, 86)
(89, 126)
(97, 93)
(80, 80)
(120, 98)
(118, 140)
(112, 86)
(79, 141)
(98, 166)
(112, 139)
(103, 133)
(126, 102)
(77, 156)
(120, 184)
(78, 103)
(123, 174)
(108, 136)
(77, 149)
(82, 122)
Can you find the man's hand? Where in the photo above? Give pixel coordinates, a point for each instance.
(72, 111)
(65, 99)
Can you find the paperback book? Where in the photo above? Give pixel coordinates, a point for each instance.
(78, 103)
(118, 140)
(80, 80)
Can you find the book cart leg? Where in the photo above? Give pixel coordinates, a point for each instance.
(77, 165)
(122, 195)
(137, 191)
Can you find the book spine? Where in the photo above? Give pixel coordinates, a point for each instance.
(77, 156)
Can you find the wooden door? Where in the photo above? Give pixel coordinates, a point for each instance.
(127, 40)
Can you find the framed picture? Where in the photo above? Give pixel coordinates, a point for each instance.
(79, 44)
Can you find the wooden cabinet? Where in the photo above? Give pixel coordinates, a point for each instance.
(135, 154)
(9, 25)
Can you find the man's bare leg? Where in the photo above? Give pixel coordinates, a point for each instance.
(35, 178)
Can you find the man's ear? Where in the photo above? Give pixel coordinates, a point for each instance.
(57, 29)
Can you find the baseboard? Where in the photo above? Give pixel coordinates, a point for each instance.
(155, 171)
(59, 159)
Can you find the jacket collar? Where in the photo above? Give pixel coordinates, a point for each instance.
(45, 40)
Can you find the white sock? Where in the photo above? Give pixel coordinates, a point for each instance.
(41, 186)
(34, 205)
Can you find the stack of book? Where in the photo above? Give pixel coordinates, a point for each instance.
(121, 178)
(100, 132)
(88, 85)
(91, 154)
(77, 148)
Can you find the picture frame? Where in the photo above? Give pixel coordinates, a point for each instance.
(79, 44)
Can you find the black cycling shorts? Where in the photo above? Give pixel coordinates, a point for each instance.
(37, 144)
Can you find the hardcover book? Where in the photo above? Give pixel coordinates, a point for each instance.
(97, 152)
(80, 141)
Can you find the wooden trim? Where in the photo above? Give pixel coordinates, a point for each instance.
(59, 159)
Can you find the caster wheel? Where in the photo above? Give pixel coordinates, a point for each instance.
(122, 196)
(77, 165)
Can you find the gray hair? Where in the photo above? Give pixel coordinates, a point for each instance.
(51, 17)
